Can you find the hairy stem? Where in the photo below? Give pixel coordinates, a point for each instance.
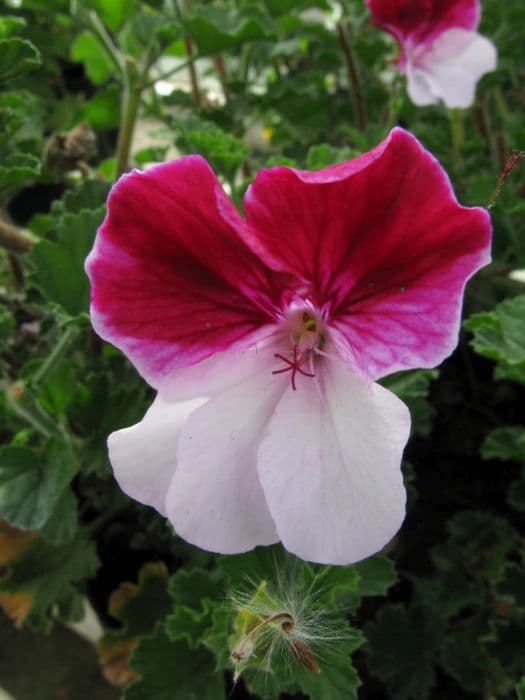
(51, 360)
(13, 239)
(131, 93)
(354, 81)
(188, 47)
(457, 133)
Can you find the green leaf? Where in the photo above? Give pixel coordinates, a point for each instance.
(17, 169)
(520, 688)
(337, 678)
(217, 28)
(516, 494)
(466, 659)
(413, 388)
(500, 334)
(62, 526)
(402, 644)
(323, 155)
(45, 574)
(58, 389)
(17, 56)
(190, 587)
(59, 267)
(478, 545)
(9, 25)
(87, 49)
(376, 575)
(139, 606)
(194, 593)
(225, 153)
(90, 194)
(281, 7)
(170, 670)
(31, 483)
(505, 443)
(7, 323)
(189, 625)
(103, 110)
(113, 14)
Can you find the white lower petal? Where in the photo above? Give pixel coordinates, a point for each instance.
(418, 87)
(143, 456)
(454, 63)
(220, 371)
(330, 466)
(215, 500)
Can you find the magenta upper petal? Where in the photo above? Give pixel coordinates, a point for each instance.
(382, 247)
(423, 20)
(172, 280)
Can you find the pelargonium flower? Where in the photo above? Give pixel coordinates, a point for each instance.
(264, 338)
(440, 51)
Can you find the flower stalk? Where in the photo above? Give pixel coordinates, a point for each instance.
(132, 90)
(457, 133)
(14, 240)
(354, 80)
(55, 355)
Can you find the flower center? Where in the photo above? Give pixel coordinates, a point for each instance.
(306, 337)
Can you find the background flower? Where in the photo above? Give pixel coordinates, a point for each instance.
(441, 54)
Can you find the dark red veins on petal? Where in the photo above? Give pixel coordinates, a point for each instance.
(421, 20)
(381, 244)
(172, 280)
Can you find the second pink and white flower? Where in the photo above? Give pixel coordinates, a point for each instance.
(441, 53)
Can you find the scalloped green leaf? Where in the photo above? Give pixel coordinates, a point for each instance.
(17, 169)
(505, 443)
(170, 670)
(44, 574)
(500, 334)
(401, 649)
(9, 25)
(31, 483)
(87, 49)
(113, 13)
(218, 28)
(58, 268)
(17, 56)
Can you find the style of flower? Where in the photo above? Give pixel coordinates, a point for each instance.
(264, 337)
(441, 53)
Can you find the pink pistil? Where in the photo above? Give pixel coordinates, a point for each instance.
(294, 366)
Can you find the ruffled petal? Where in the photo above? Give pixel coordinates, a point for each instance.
(215, 500)
(423, 20)
(330, 466)
(143, 456)
(418, 86)
(172, 280)
(383, 248)
(455, 62)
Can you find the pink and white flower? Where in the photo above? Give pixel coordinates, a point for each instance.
(441, 53)
(264, 337)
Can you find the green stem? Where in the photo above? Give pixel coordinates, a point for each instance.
(169, 73)
(457, 133)
(100, 32)
(49, 363)
(30, 414)
(131, 94)
(354, 81)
